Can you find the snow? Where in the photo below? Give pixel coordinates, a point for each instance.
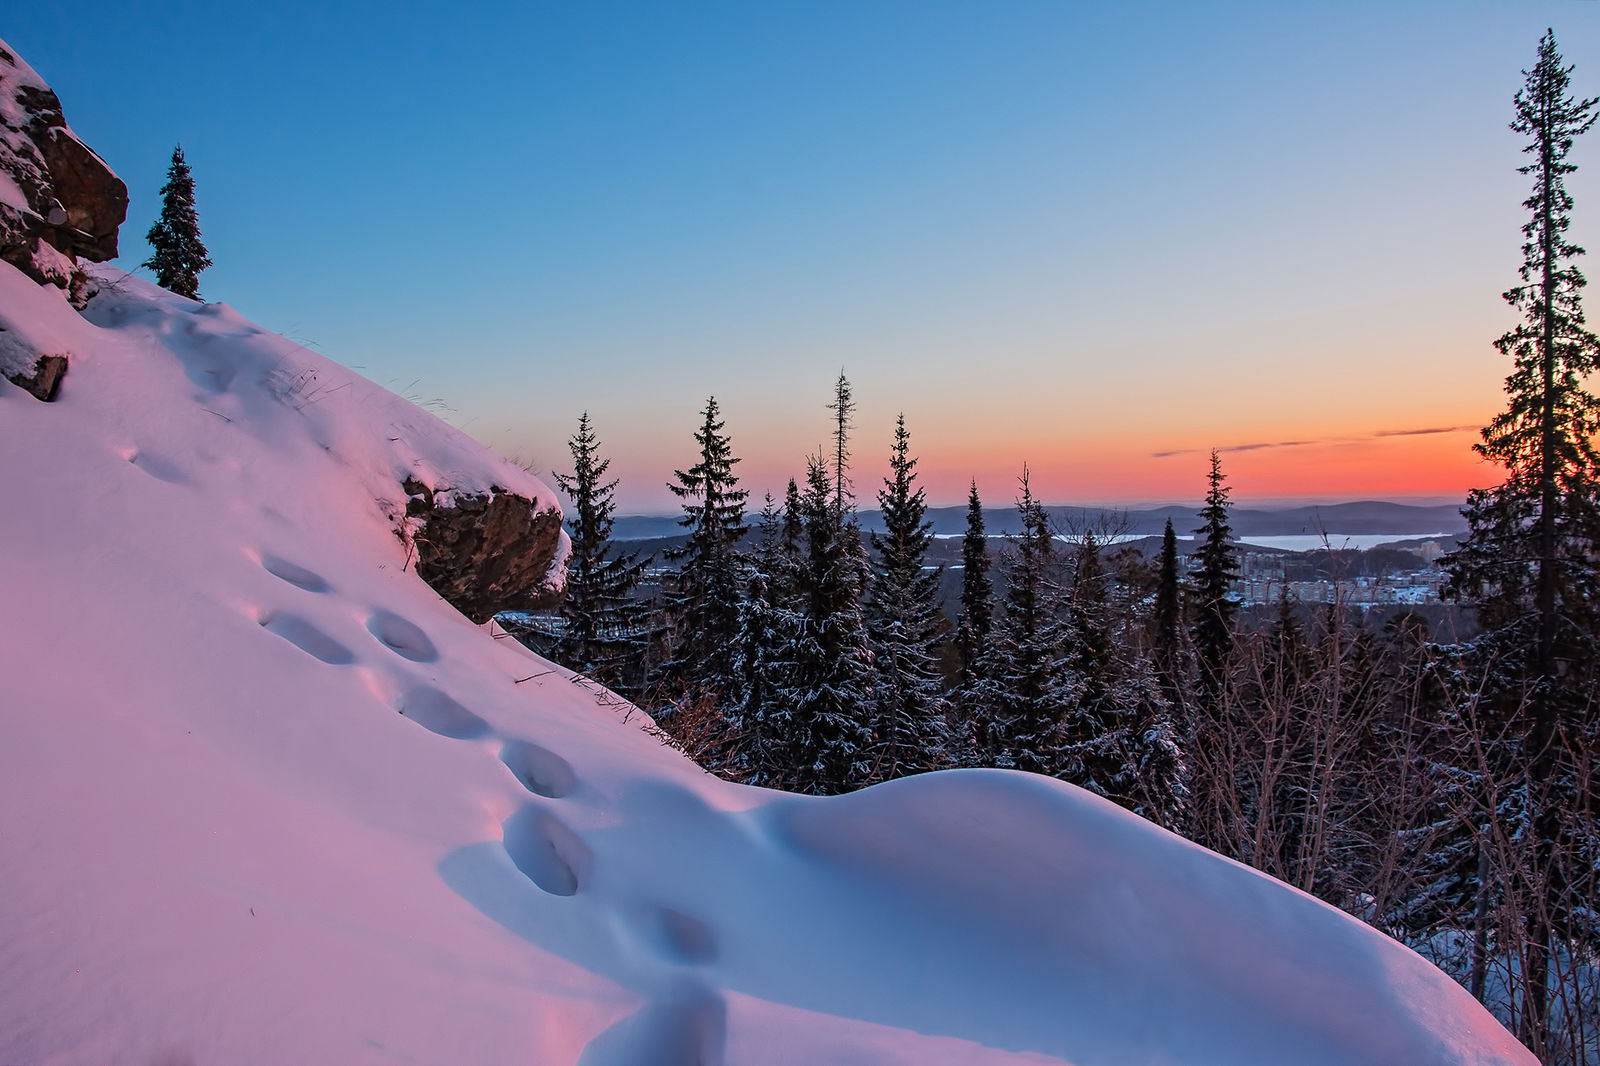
(10, 195)
(224, 845)
(15, 75)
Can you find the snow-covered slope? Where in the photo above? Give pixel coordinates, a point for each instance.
(223, 845)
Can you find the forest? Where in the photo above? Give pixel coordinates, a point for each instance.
(1443, 790)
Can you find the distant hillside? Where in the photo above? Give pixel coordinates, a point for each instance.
(1364, 516)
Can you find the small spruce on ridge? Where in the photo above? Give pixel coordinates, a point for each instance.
(178, 254)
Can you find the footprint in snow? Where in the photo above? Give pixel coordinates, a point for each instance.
(540, 771)
(437, 712)
(307, 637)
(546, 851)
(402, 637)
(211, 370)
(293, 573)
(157, 467)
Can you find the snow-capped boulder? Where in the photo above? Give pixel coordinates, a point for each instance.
(32, 359)
(484, 552)
(59, 201)
(43, 379)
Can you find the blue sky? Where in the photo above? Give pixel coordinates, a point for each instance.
(1067, 234)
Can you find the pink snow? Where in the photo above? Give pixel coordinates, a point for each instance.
(267, 799)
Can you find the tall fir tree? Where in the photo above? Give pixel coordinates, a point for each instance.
(1026, 690)
(1217, 564)
(703, 599)
(1119, 738)
(1167, 618)
(1531, 560)
(761, 719)
(904, 623)
(794, 520)
(974, 622)
(843, 408)
(604, 630)
(828, 684)
(178, 255)
(976, 616)
(1091, 733)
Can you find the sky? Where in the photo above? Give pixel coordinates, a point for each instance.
(1099, 240)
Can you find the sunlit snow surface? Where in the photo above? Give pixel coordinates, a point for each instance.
(267, 799)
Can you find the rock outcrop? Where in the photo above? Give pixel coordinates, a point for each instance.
(43, 380)
(59, 202)
(26, 364)
(485, 552)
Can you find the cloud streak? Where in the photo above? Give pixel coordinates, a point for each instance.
(1424, 432)
(1256, 446)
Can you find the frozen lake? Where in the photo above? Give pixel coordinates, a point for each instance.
(1297, 542)
(1304, 542)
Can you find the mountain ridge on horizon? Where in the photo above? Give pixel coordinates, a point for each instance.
(1355, 517)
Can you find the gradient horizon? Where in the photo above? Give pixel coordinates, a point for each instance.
(1429, 466)
(1096, 241)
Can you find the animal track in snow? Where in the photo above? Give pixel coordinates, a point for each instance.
(293, 573)
(546, 851)
(208, 368)
(435, 711)
(213, 375)
(307, 637)
(403, 638)
(157, 467)
(540, 770)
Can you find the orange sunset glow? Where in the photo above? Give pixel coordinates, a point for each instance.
(891, 533)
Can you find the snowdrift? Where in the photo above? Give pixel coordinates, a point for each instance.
(267, 799)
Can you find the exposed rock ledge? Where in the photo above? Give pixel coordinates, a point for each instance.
(59, 201)
(485, 552)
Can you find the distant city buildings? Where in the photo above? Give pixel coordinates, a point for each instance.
(1266, 576)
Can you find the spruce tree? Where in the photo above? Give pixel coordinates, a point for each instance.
(1090, 612)
(178, 255)
(1155, 780)
(703, 601)
(1168, 617)
(603, 628)
(827, 686)
(1530, 558)
(1119, 738)
(1026, 690)
(794, 521)
(971, 743)
(1092, 739)
(976, 615)
(843, 408)
(1215, 607)
(761, 721)
(904, 624)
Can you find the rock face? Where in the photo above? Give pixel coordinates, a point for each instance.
(484, 553)
(58, 200)
(25, 364)
(44, 380)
